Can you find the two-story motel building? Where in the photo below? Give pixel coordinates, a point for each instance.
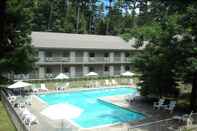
(78, 54)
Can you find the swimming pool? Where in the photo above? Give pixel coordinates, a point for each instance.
(96, 113)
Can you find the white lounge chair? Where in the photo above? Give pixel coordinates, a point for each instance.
(43, 87)
(130, 98)
(130, 82)
(35, 90)
(159, 104)
(185, 118)
(12, 99)
(25, 112)
(170, 106)
(107, 83)
(114, 82)
(30, 119)
(97, 84)
(67, 85)
(28, 100)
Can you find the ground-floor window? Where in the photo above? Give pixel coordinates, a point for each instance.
(106, 68)
(91, 69)
(48, 70)
(66, 70)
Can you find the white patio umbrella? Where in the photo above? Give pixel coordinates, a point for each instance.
(61, 76)
(19, 84)
(92, 74)
(127, 73)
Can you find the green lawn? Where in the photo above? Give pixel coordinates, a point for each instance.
(5, 122)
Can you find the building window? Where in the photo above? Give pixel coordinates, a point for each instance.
(48, 70)
(91, 54)
(127, 68)
(127, 54)
(49, 54)
(66, 70)
(91, 69)
(65, 54)
(106, 68)
(106, 55)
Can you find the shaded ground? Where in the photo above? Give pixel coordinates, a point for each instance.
(5, 122)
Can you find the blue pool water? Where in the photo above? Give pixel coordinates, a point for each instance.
(95, 112)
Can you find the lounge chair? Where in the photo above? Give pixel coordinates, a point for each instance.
(159, 104)
(28, 100)
(170, 106)
(90, 84)
(12, 99)
(130, 82)
(24, 112)
(130, 98)
(43, 87)
(185, 118)
(67, 85)
(35, 90)
(114, 82)
(97, 84)
(30, 119)
(107, 83)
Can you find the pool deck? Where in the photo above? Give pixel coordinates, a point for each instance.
(138, 105)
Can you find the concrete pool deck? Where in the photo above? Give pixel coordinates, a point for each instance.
(138, 105)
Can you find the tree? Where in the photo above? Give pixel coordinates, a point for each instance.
(170, 54)
(187, 49)
(17, 54)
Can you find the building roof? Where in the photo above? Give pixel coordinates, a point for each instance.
(79, 41)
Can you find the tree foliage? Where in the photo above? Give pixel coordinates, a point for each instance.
(169, 56)
(17, 54)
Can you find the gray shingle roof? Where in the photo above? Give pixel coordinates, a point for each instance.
(79, 41)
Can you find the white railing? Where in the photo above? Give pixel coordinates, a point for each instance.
(56, 59)
(87, 59)
(167, 125)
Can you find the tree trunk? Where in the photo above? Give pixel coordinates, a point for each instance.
(78, 15)
(193, 99)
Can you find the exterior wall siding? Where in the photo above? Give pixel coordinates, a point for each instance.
(79, 62)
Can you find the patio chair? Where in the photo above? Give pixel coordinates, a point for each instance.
(130, 98)
(21, 105)
(170, 106)
(159, 104)
(30, 119)
(35, 90)
(12, 99)
(43, 87)
(24, 113)
(130, 83)
(62, 88)
(97, 84)
(185, 118)
(28, 100)
(114, 82)
(107, 83)
(67, 85)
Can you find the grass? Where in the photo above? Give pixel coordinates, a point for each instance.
(5, 122)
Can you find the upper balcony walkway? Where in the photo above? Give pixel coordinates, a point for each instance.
(82, 60)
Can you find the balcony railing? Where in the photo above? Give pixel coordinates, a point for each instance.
(87, 59)
(57, 59)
